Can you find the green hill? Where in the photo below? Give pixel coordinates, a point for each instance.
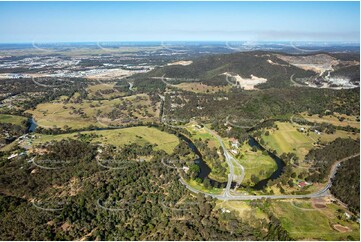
(209, 69)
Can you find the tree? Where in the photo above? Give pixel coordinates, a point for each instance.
(207, 183)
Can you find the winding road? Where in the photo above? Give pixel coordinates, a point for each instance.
(226, 195)
(295, 83)
(321, 193)
(229, 159)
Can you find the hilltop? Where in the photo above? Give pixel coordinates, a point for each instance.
(267, 69)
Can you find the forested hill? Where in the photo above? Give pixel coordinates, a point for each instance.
(346, 184)
(210, 69)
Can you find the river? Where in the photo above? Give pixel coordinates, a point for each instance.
(205, 170)
(32, 125)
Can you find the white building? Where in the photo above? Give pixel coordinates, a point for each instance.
(12, 156)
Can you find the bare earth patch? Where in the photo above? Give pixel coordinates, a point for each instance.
(275, 63)
(318, 203)
(247, 83)
(66, 226)
(317, 63)
(110, 74)
(342, 229)
(182, 63)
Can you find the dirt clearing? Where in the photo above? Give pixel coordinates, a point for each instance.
(245, 83)
(342, 229)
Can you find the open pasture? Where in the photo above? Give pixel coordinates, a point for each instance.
(303, 221)
(335, 119)
(78, 113)
(288, 139)
(12, 119)
(120, 137)
(201, 88)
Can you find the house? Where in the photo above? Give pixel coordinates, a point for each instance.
(225, 210)
(348, 216)
(317, 132)
(303, 184)
(234, 143)
(302, 129)
(234, 152)
(185, 169)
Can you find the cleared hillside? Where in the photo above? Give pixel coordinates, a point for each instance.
(210, 69)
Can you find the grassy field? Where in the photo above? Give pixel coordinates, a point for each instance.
(119, 137)
(102, 88)
(254, 163)
(244, 210)
(288, 139)
(9, 147)
(194, 184)
(201, 88)
(333, 119)
(75, 114)
(305, 223)
(200, 133)
(13, 119)
(325, 138)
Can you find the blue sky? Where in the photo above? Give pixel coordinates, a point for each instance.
(179, 21)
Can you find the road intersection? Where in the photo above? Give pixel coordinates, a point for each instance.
(228, 196)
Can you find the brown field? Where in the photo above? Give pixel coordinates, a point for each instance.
(200, 88)
(333, 119)
(101, 113)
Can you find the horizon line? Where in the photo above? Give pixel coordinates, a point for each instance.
(185, 41)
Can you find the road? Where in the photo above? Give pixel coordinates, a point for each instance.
(162, 98)
(229, 159)
(163, 79)
(295, 83)
(130, 86)
(228, 196)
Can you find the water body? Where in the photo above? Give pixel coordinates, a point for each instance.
(204, 168)
(32, 125)
(280, 165)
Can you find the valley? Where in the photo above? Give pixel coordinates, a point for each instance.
(148, 137)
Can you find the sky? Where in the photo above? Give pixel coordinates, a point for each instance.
(179, 21)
